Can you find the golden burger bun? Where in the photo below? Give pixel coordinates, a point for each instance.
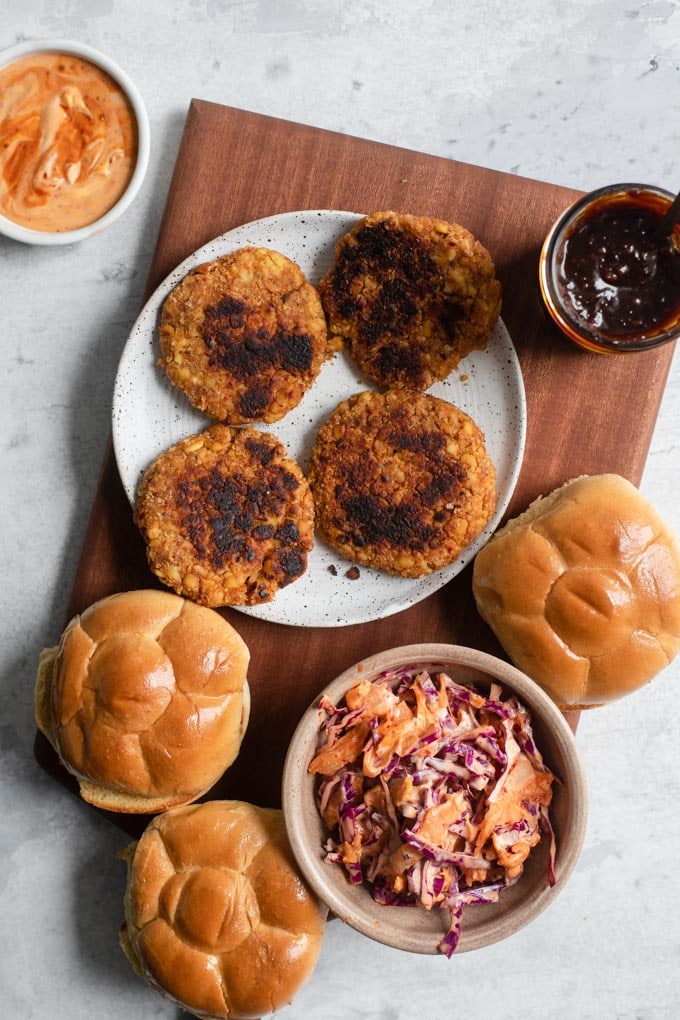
(583, 591)
(217, 916)
(145, 700)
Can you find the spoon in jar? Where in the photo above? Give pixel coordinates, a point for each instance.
(667, 223)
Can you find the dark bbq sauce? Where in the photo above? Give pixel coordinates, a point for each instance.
(612, 277)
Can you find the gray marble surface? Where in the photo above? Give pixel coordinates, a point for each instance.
(582, 94)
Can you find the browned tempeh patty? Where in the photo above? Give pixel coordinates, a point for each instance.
(227, 517)
(410, 296)
(244, 336)
(401, 481)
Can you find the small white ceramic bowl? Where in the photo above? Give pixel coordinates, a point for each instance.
(44, 237)
(412, 928)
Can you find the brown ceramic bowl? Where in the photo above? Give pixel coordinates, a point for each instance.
(412, 928)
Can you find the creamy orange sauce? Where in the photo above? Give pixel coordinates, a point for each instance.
(68, 142)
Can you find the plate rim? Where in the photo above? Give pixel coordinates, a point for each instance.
(266, 613)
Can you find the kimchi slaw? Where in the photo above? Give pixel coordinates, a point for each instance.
(434, 793)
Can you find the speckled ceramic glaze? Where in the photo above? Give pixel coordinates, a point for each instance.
(410, 928)
(149, 415)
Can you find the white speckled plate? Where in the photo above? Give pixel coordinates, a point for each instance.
(149, 415)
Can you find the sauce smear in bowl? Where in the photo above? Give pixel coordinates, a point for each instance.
(68, 142)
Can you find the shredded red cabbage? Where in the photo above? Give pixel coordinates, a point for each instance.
(434, 794)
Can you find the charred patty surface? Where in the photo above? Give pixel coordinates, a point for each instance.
(244, 336)
(227, 517)
(401, 481)
(410, 296)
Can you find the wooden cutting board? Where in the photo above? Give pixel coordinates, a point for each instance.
(587, 413)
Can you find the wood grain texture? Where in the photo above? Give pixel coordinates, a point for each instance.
(587, 413)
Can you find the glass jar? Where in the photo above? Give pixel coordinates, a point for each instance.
(608, 284)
